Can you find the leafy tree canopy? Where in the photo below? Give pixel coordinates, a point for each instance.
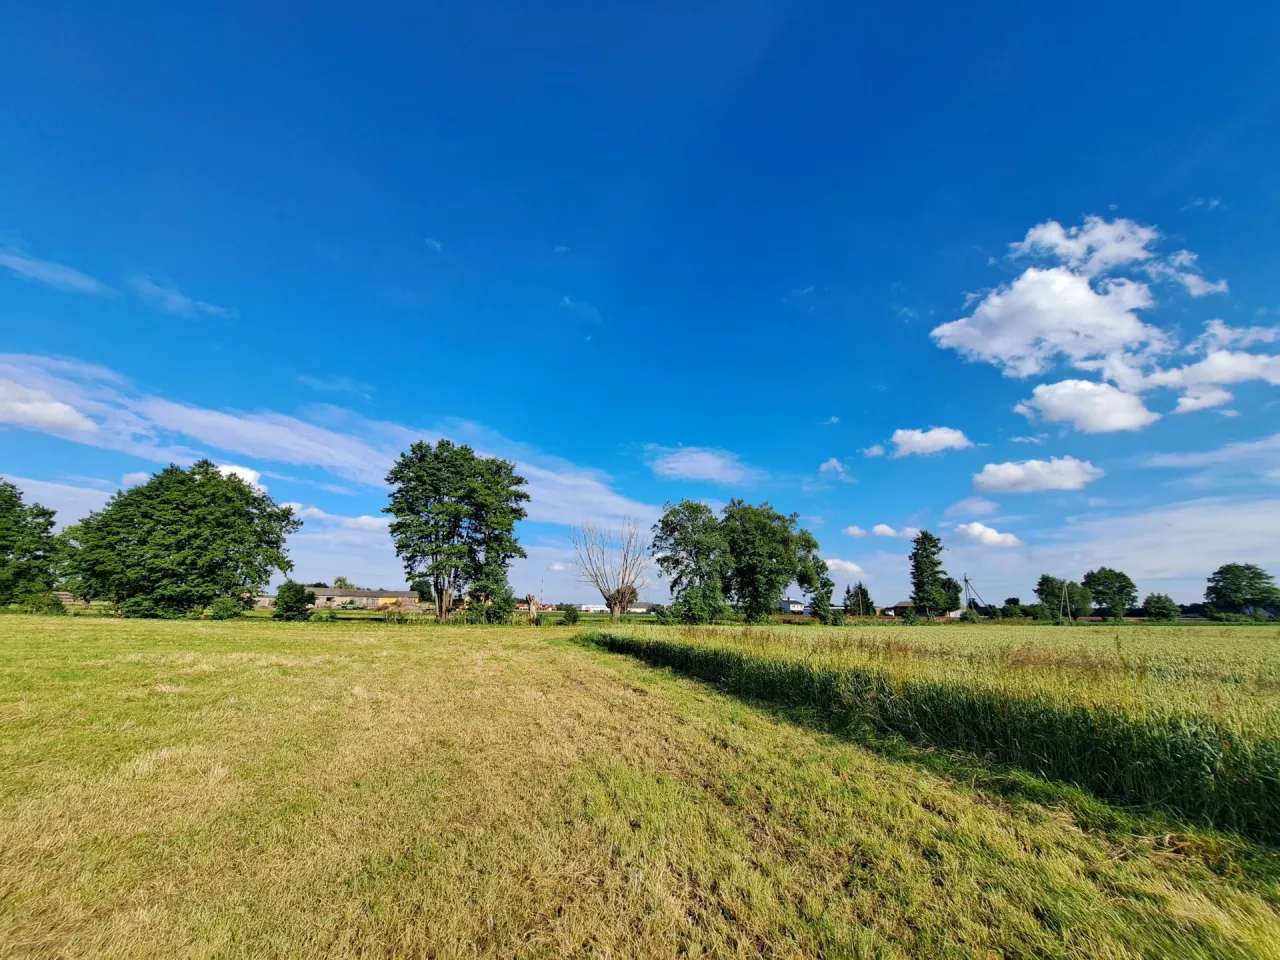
(1241, 588)
(455, 515)
(292, 602)
(765, 551)
(1112, 589)
(29, 551)
(1049, 593)
(179, 541)
(932, 591)
(857, 601)
(1160, 606)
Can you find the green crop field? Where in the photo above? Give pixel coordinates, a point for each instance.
(260, 789)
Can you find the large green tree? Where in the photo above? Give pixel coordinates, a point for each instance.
(1160, 606)
(814, 578)
(1241, 588)
(931, 594)
(180, 540)
(690, 548)
(1049, 593)
(1113, 590)
(29, 550)
(764, 552)
(455, 515)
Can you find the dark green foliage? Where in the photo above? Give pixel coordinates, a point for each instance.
(1013, 611)
(144, 608)
(689, 546)
(35, 597)
(1039, 611)
(970, 616)
(911, 618)
(813, 577)
(954, 594)
(323, 616)
(931, 588)
(570, 615)
(1195, 765)
(226, 608)
(293, 601)
(424, 590)
(1012, 602)
(1160, 606)
(491, 599)
(455, 516)
(342, 583)
(1049, 593)
(1241, 588)
(764, 551)
(29, 551)
(857, 601)
(1113, 590)
(179, 541)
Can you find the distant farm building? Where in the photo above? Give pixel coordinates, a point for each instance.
(788, 605)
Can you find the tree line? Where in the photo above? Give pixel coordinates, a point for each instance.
(198, 540)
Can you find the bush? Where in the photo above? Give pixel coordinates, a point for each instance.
(43, 602)
(570, 616)
(292, 602)
(323, 616)
(911, 618)
(225, 608)
(970, 616)
(395, 616)
(141, 608)
(1160, 606)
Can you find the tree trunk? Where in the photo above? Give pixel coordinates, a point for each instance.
(444, 601)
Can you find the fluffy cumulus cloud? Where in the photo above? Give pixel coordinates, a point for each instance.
(987, 536)
(701, 463)
(854, 531)
(1089, 407)
(933, 440)
(1079, 304)
(843, 567)
(831, 465)
(875, 450)
(884, 530)
(135, 478)
(28, 407)
(1023, 328)
(250, 476)
(367, 523)
(1031, 476)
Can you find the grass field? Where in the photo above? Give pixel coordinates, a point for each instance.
(261, 789)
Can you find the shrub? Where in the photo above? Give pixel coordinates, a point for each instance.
(225, 608)
(292, 602)
(324, 616)
(395, 616)
(570, 616)
(1160, 606)
(43, 602)
(970, 616)
(911, 618)
(141, 608)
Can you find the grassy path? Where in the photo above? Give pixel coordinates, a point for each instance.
(259, 789)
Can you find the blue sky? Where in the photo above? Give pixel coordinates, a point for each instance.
(655, 251)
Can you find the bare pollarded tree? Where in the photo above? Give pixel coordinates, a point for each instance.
(612, 561)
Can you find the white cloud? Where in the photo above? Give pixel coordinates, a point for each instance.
(972, 507)
(933, 440)
(582, 308)
(1087, 406)
(876, 450)
(1265, 450)
(987, 536)
(884, 530)
(831, 465)
(165, 296)
(1097, 246)
(832, 420)
(53, 274)
(558, 567)
(854, 531)
(28, 407)
(250, 476)
(434, 244)
(1030, 476)
(1037, 439)
(559, 248)
(1202, 398)
(909, 533)
(1208, 203)
(1049, 313)
(71, 503)
(701, 463)
(352, 447)
(846, 567)
(1219, 367)
(369, 524)
(1218, 336)
(1181, 267)
(133, 479)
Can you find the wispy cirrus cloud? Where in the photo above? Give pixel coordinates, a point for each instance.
(701, 463)
(165, 296)
(56, 275)
(356, 388)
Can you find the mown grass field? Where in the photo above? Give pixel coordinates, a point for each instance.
(360, 789)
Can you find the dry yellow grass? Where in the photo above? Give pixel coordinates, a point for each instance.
(261, 789)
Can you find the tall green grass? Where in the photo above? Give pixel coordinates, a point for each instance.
(1203, 749)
